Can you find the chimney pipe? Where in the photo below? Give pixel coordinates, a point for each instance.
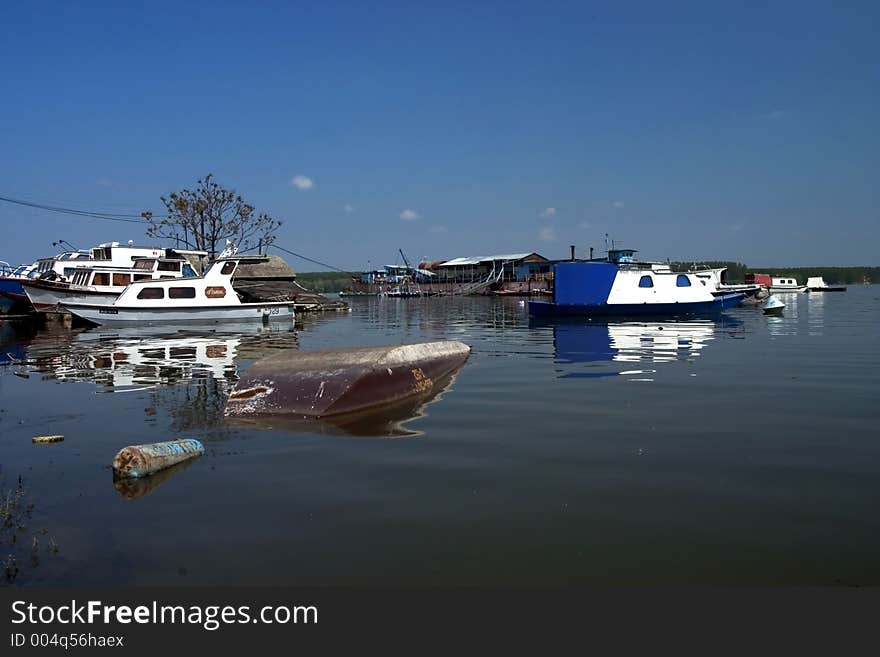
(572, 252)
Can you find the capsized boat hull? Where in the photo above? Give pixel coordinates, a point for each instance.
(112, 315)
(719, 303)
(343, 382)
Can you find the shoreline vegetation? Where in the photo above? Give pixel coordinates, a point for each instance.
(329, 282)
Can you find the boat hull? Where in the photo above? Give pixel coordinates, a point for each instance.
(112, 315)
(776, 289)
(346, 382)
(830, 288)
(47, 296)
(547, 308)
(10, 288)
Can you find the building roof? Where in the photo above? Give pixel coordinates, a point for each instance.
(460, 262)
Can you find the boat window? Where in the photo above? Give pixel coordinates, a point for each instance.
(646, 281)
(683, 281)
(142, 277)
(101, 278)
(188, 271)
(228, 268)
(144, 264)
(164, 265)
(181, 293)
(152, 293)
(121, 279)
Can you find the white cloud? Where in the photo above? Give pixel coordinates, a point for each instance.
(775, 115)
(410, 215)
(348, 208)
(737, 227)
(104, 182)
(617, 204)
(547, 213)
(547, 234)
(585, 225)
(301, 182)
(437, 229)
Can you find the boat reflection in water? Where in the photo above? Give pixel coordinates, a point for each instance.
(631, 343)
(132, 359)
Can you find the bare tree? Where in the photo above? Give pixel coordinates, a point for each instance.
(202, 217)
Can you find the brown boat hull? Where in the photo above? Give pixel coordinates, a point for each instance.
(344, 383)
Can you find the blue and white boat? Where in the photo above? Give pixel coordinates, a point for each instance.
(619, 285)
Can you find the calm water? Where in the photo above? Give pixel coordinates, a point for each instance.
(737, 451)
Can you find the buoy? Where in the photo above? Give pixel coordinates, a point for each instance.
(143, 460)
(47, 439)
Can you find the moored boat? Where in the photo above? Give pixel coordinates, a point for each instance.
(786, 284)
(621, 286)
(717, 276)
(102, 285)
(818, 284)
(206, 299)
(61, 268)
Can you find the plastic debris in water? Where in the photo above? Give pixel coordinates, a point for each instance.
(47, 439)
(143, 460)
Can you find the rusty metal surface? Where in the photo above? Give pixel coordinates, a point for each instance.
(389, 420)
(143, 460)
(343, 382)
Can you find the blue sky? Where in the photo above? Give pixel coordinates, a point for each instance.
(744, 132)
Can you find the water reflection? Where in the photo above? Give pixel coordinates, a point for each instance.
(132, 488)
(815, 313)
(132, 360)
(644, 344)
(786, 323)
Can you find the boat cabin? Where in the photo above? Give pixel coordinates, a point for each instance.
(764, 280)
(144, 269)
(621, 255)
(785, 282)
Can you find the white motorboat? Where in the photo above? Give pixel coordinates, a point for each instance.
(103, 284)
(205, 299)
(717, 276)
(818, 284)
(786, 285)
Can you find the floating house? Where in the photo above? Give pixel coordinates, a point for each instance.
(619, 285)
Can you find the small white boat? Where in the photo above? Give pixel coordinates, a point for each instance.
(818, 284)
(786, 285)
(773, 306)
(205, 299)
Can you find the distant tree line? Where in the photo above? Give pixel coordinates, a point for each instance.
(324, 281)
(736, 272)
